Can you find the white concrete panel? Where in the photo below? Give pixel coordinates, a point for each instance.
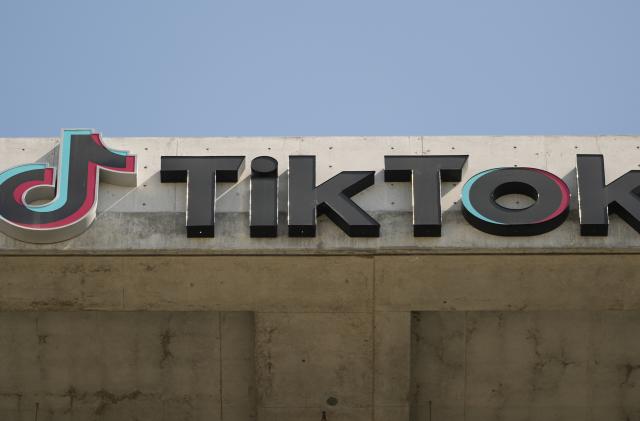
(150, 195)
(621, 154)
(151, 217)
(19, 151)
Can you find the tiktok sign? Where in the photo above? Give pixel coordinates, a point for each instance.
(44, 204)
(480, 195)
(67, 195)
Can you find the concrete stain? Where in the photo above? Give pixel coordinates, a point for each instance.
(165, 342)
(107, 399)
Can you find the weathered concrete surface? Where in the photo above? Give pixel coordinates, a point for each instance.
(550, 365)
(321, 283)
(126, 366)
(392, 371)
(314, 363)
(507, 282)
(150, 218)
(187, 283)
(332, 333)
(133, 320)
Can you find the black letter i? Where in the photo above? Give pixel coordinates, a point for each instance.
(263, 201)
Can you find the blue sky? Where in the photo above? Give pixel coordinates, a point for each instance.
(324, 67)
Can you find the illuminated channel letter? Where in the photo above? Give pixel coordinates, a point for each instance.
(332, 197)
(263, 198)
(426, 174)
(71, 195)
(201, 173)
(481, 210)
(597, 199)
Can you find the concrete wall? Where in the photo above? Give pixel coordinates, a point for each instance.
(543, 365)
(126, 366)
(330, 336)
(134, 321)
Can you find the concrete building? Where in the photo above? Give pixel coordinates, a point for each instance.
(132, 320)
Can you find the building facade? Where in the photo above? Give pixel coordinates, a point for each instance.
(381, 296)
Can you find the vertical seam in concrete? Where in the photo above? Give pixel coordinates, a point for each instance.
(464, 397)
(220, 315)
(373, 338)
(256, 369)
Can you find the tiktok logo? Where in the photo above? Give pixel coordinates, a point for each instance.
(67, 198)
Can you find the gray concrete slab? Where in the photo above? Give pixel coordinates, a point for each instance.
(316, 363)
(196, 283)
(124, 365)
(565, 365)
